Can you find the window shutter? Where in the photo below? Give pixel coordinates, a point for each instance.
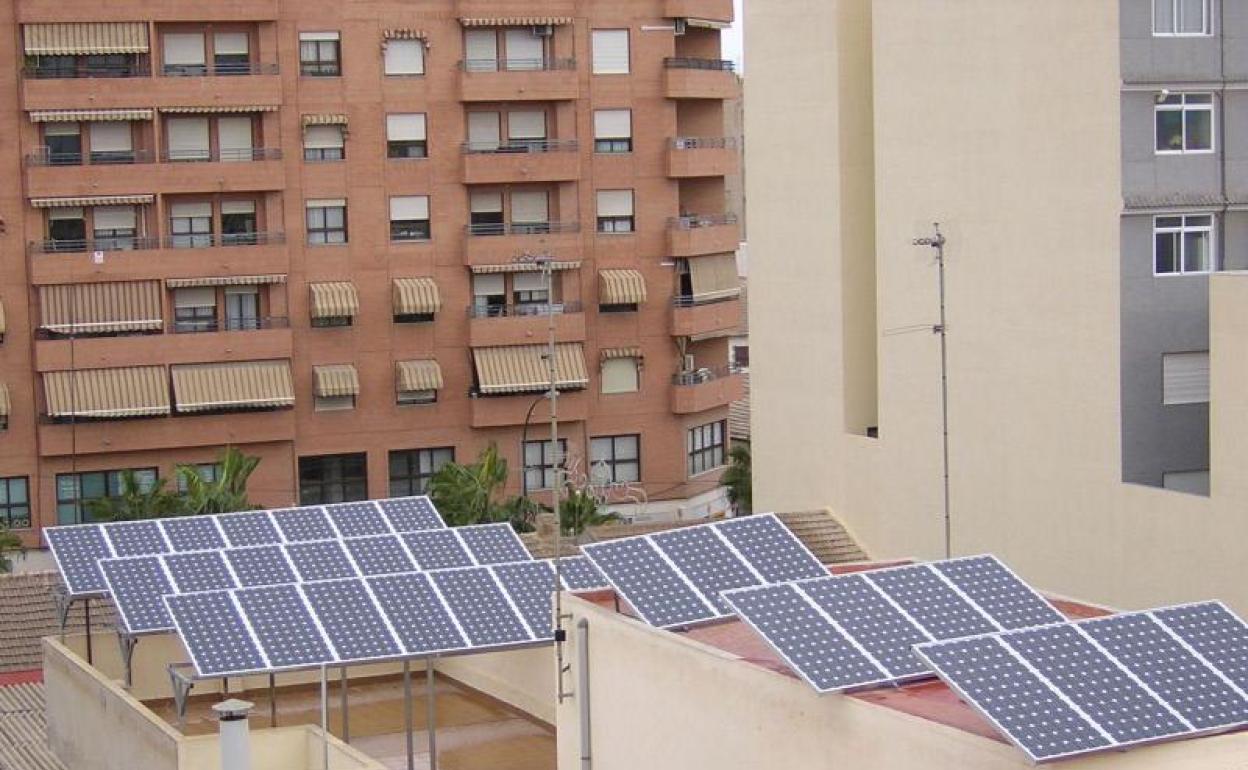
(480, 45)
(485, 285)
(486, 203)
(619, 375)
(613, 124)
(526, 124)
(230, 43)
(405, 57)
(533, 281)
(61, 129)
(316, 37)
(326, 203)
(529, 206)
(188, 137)
(234, 136)
(238, 207)
(483, 130)
(1185, 378)
(205, 296)
(112, 136)
(184, 49)
(65, 212)
(610, 51)
(615, 203)
(407, 127)
(322, 137)
(408, 207)
(186, 210)
(524, 49)
(113, 217)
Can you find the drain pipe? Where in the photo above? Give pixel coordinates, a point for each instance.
(235, 735)
(582, 690)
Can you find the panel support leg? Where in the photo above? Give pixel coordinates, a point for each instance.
(272, 700)
(127, 642)
(407, 713)
(342, 683)
(181, 685)
(431, 712)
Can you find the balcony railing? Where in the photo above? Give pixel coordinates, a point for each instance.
(45, 157)
(517, 65)
(224, 69)
(694, 300)
(693, 221)
(210, 240)
(519, 146)
(60, 72)
(521, 228)
(522, 310)
(704, 143)
(230, 325)
(141, 243)
(222, 155)
(705, 374)
(689, 63)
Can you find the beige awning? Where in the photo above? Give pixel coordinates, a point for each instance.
(4, 325)
(227, 280)
(215, 108)
(73, 116)
(81, 39)
(331, 119)
(522, 368)
(334, 300)
(621, 287)
(522, 267)
(708, 23)
(91, 308)
(5, 404)
(335, 380)
(98, 200)
(137, 391)
(516, 21)
(405, 34)
(246, 385)
(418, 375)
(714, 277)
(416, 296)
(629, 352)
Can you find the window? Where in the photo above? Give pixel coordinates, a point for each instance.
(327, 222)
(416, 397)
(332, 321)
(405, 57)
(485, 213)
(1184, 123)
(187, 139)
(334, 403)
(740, 355)
(411, 469)
(406, 136)
(238, 223)
(195, 309)
(610, 48)
(529, 292)
(231, 53)
(67, 229)
(526, 129)
(75, 490)
(1185, 378)
(539, 464)
(242, 308)
(1183, 244)
(319, 54)
(480, 50)
(530, 211)
(333, 479)
(1181, 17)
(705, 446)
(114, 227)
(615, 459)
(525, 49)
(184, 54)
(620, 375)
(409, 218)
(615, 211)
(234, 139)
(484, 134)
(63, 143)
(324, 143)
(489, 295)
(613, 131)
(111, 142)
(190, 224)
(207, 472)
(15, 503)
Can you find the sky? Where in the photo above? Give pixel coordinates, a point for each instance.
(732, 41)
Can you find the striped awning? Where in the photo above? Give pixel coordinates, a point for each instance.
(714, 277)
(523, 267)
(5, 403)
(522, 368)
(83, 38)
(516, 21)
(621, 287)
(217, 108)
(417, 375)
(405, 34)
(137, 391)
(245, 385)
(97, 200)
(416, 296)
(328, 119)
(628, 352)
(225, 280)
(92, 308)
(335, 380)
(73, 116)
(334, 300)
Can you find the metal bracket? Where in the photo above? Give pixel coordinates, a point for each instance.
(127, 642)
(182, 685)
(63, 604)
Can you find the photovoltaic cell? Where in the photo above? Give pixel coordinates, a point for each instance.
(303, 524)
(437, 549)
(707, 562)
(199, 571)
(411, 514)
(323, 560)
(655, 590)
(264, 565)
(135, 538)
(480, 606)
(869, 618)
(580, 574)
(1219, 636)
(417, 613)
(287, 633)
(216, 637)
(138, 585)
(251, 528)
(193, 533)
(771, 548)
(493, 543)
(530, 584)
(77, 551)
(998, 592)
(357, 519)
(931, 602)
(379, 555)
(351, 620)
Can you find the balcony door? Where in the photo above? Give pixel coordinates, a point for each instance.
(242, 308)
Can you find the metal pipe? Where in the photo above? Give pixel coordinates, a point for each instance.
(431, 714)
(342, 686)
(86, 611)
(407, 713)
(937, 242)
(582, 690)
(272, 700)
(324, 717)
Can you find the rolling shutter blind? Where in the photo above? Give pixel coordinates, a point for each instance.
(619, 375)
(714, 277)
(1185, 378)
(405, 57)
(188, 138)
(322, 137)
(111, 137)
(615, 203)
(613, 124)
(480, 45)
(529, 206)
(610, 51)
(524, 49)
(409, 207)
(230, 43)
(483, 132)
(197, 297)
(485, 285)
(61, 129)
(189, 210)
(184, 49)
(526, 124)
(65, 212)
(238, 207)
(114, 217)
(234, 136)
(486, 202)
(407, 127)
(317, 37)
(528, 282)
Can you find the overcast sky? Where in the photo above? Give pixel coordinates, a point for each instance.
(733, 47)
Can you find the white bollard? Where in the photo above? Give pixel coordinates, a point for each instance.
(235, 734)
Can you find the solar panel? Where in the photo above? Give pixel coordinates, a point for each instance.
(264, 565)
(322, 560)
(379, 555)
(77, 551)
(484, 613)
(285, 628)
(493, 543)
(251, 528)
(1215, 633)
(871, 620)
(138, 585)
(199, 571)
(931, 602)
(998, 592)
(302, 524)
(770, 548)
(214, 633)
(417, 613)
(136, 538)
(658, 593)
(351, 620)
(411, 514)
(357, 519)
(193, 533)
(580, 574)
(707, 562)
(437, 549)
(530, 585)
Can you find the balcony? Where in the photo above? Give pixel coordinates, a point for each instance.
(702, 156)
(35, 11)
(527, 161)
(137, 435)
(711, 10)
(499, 9)
(490, 80)
(686, 78)
(115, 88)
(220, 171)
(269, 339)
(504, 411)
(703, 389)
(128, 259)
(696, 234)
(521, 324)
(691, 318)
(493, 244)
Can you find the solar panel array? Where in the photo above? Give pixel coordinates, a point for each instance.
(676, 577)
(1074, 688)
(851, 631)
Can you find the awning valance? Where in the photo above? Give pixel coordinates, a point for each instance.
(245, 385)
(217, 108)
(74, 116)
(5, 404)
(418, 375)
(621, 287)
(522, 368)
(523, 267)
(416, 296)
(516, 21)
(84, 38)
(335, 380)
(94, 308)
(708, 23)
(334, 300)
(334, 119)
(714, 277)
(405, 34)
(138, 391)
(98, 200)
(227, 280)
(608, 354)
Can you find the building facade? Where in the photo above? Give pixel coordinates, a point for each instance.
(316, 231)
(1084, 163)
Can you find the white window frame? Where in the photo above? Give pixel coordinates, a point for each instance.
(1182, 107)
(1182, 230)
(1206, 11)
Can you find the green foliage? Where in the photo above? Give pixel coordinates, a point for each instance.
(580, 510)
(468, 494)
(739, 480)
(225, 495)
(9, 544)
(135, 502)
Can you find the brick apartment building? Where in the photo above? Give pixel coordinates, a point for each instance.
(300, 228)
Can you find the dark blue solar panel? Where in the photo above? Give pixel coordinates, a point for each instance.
(138, 585)
(931, 602)
(264, 565)
(357, 519)
(580, 574)
(419, 617)
(998, 592)
(202, 571)
(530, 584)
(813, 648)
(216, 637)
(193, 533)
(1214, 632)
(707, 562)
(136, 538)
(379, 555)
(1094, 683)
(771, 548)
(493, 543)
(483, 611)
(287, 633)
(1170, 669)
(864, 614)
(437, 549)
(351, 621)
(324, 560)
(985, 673)
(301, 524)
(77, 551)
(251, 528)
(647, 582)
(411, 514)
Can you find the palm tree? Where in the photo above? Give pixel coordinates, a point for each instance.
(9, 544)
(135, 502)
(739, 480)
(227, 493)
(580, 510)
(466, 494)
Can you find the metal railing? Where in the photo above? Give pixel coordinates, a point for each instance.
(696, 300)
(519, 146)
(705, 374)
(230, 325)
(45, 157)
(221, 155)
(690, 63)
(703, 143)
(227, 69)
(522, 310)
(210, 240)
(521, 228)
(547, 64)
(54, 72)
(80, 245)
(694, 221)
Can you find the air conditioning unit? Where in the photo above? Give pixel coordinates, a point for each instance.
(543, 30)
(679, 26)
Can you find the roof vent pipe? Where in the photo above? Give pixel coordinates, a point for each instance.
(235, 735)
